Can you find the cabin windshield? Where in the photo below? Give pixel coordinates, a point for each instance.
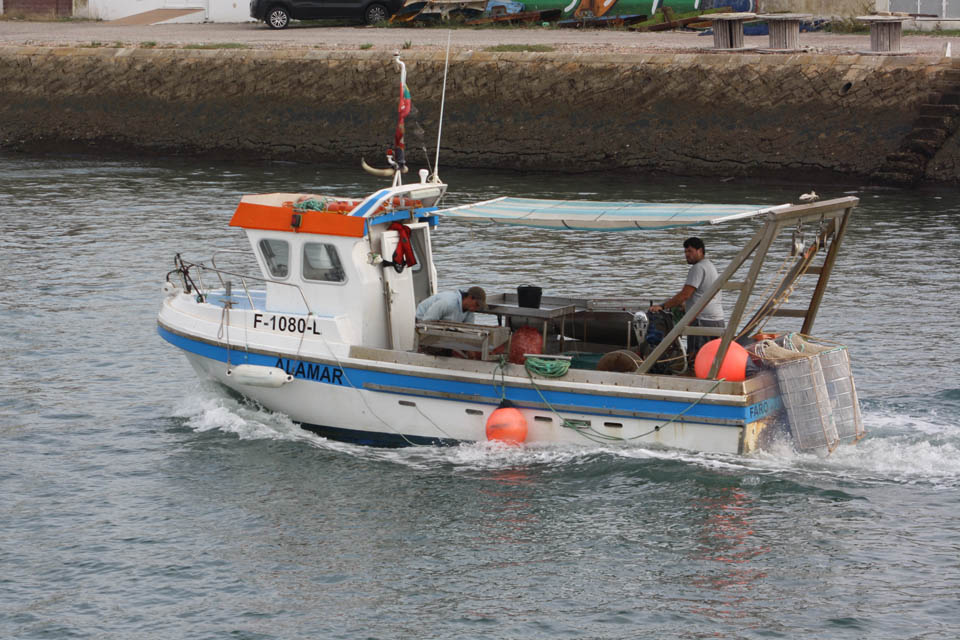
(417, 241)
(321, 262)
(276, 255)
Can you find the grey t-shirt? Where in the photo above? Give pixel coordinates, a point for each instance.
(700, 277)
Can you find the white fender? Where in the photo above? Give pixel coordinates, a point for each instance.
(259, 376)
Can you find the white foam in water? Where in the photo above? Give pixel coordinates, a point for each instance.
(901, 460)
(206, 412)
(897, 448)
(898, 423)
(491, 455)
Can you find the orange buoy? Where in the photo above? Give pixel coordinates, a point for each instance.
(524, 340)
(734, 366)
(506, 424)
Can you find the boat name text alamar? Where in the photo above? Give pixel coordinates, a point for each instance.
(310, 371)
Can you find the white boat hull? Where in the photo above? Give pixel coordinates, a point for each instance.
(388, 398)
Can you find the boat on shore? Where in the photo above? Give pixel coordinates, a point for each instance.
(325, 332)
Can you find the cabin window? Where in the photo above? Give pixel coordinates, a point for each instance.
(321, 262)
(276, 255)
(416, 243)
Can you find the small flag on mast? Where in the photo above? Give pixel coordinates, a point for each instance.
(403, 110)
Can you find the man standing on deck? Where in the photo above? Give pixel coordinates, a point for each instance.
(700, 277)
(452, 306)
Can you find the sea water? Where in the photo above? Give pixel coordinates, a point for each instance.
(137, 503)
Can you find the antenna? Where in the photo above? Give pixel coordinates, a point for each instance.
(443, 98)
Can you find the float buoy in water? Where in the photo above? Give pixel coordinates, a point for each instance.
(734, 367)
(506, 424)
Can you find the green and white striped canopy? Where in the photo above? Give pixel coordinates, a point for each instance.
(601, 216)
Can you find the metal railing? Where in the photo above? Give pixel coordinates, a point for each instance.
(184, 268)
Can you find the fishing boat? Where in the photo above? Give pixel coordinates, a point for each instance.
(325, 331)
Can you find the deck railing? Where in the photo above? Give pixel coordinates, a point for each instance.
(184, 269)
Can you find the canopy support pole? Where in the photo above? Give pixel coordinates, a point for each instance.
(825, 272)
(770, 231)
(688, 317)
(835, 218)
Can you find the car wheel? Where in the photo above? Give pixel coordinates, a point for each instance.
(375, 13)
(278, 18)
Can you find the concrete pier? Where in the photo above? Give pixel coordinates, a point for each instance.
(685, 113)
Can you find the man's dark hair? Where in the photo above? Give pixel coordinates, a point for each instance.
(694, 242)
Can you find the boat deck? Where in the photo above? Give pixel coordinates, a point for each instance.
(252, 300)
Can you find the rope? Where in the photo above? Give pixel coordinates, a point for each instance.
(438, 427)
(359, 390)
(777, 302)
(225, 323)
(695, 403)
(314, 204)
(579, 426)
(223, 335)
(584, 428)
(363, 398)
(546, 367)
(501, 367)
(762, 297)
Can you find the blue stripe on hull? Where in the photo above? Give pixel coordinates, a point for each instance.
(480, 392)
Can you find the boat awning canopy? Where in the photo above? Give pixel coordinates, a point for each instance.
(601, 216)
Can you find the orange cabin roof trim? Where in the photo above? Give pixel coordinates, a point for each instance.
(272, 217)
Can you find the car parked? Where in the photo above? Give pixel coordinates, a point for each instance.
(278, 13)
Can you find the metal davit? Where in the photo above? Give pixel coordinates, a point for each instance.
(830, 219)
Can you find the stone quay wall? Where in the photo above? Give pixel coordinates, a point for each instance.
(691, 113)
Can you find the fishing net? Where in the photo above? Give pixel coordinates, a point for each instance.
(803, 390)
(816, 386)
(843, 394)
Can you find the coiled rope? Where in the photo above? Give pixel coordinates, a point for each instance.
(314, 204)
(547, 367)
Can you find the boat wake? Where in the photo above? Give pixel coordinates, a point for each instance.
(899, 449)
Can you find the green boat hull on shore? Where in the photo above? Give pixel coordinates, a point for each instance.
(622, 7)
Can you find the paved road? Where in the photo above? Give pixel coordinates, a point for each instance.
(13, 33)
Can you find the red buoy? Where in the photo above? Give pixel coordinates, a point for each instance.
(734, 366)
(507, 425)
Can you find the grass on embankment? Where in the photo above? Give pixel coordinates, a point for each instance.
(520, 47)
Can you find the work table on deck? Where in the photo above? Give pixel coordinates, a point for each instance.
(555, 310)
(552, 307)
